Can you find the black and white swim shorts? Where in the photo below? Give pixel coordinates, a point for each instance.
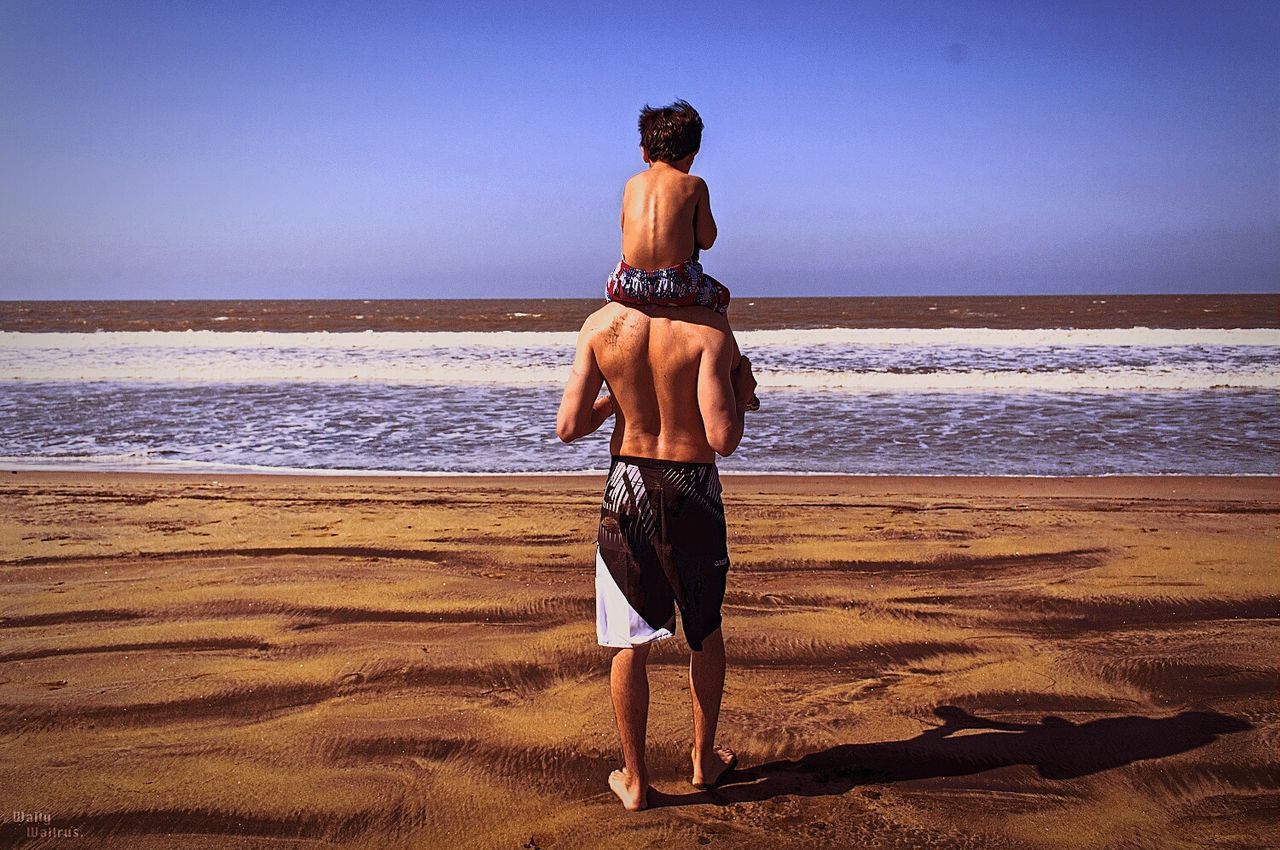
(661, 546)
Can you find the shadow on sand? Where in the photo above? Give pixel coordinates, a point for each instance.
(1056, 747)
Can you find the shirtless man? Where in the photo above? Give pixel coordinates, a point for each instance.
(678, 389)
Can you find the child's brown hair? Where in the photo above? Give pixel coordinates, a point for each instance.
(670, 133)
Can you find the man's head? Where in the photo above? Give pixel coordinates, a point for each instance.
(670, 133)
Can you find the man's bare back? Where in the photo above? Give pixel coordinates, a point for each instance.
(675, 378)
(666, 216)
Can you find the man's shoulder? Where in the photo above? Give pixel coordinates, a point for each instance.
(691, 318)
(700, 320)
(694, 323)
(605, 317)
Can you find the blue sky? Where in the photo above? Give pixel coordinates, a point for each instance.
(418, 150)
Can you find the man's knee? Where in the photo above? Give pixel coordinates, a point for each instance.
(637, 654)
(713, 641)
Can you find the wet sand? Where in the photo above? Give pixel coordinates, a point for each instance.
(279, 662)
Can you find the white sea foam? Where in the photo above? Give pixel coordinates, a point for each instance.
(875, 360)
(214, 370)
(1005, 381)
(1007, 338)
(140, 462)
(249, 340)
(219, 372)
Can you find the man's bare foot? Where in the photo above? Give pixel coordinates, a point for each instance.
(630, 791)
(710, 770)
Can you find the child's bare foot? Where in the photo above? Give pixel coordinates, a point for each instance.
(709, 771)
(633, 794)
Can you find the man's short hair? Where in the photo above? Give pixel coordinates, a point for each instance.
(670, 133)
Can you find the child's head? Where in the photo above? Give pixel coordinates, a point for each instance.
(670, 133)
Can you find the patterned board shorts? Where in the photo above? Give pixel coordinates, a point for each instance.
(674, 286)
(661, 546)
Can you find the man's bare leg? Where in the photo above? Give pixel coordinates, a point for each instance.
(706, 684)
(629, 684)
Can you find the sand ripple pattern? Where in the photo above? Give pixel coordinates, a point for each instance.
(400, 664)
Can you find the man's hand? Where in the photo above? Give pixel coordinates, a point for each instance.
(601, 411)
(744, 385)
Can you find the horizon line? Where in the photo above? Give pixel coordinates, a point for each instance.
(736, 298)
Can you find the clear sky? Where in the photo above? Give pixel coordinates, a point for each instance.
(417, 150)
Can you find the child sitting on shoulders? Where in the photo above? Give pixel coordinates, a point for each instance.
(666, 219)
(675, 286)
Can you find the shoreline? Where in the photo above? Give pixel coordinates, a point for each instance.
(1184, 486)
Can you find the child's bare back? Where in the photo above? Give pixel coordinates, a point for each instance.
(666, 215)
(666, 219)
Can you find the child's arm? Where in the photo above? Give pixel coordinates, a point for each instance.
(704, 224)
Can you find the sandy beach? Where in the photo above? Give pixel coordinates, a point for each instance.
(405, 662)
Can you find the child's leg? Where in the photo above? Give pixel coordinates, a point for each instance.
(682, 287)
(718, 296)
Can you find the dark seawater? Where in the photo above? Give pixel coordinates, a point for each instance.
(995, 311)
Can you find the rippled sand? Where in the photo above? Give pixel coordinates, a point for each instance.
(262, 661)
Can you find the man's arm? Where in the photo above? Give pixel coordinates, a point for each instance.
(725, 385)
(704, 224)
(581, 412)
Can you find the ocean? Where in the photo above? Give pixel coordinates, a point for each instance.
(1044, 385)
